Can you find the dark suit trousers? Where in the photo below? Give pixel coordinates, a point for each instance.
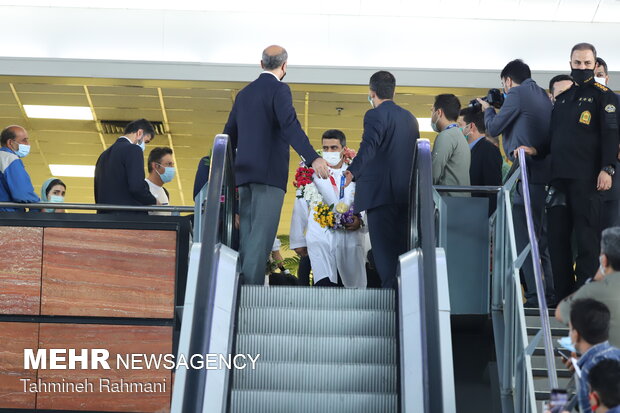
(537, 200)
(610, 213)
(388, 226)
(581, 215)
(303, 272)
(259, 214)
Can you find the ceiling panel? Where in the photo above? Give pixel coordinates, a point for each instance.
(196, 112)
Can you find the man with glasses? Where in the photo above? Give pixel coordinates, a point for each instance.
(15, 183)
(524, 120)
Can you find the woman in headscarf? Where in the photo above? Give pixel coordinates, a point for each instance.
(53, 190)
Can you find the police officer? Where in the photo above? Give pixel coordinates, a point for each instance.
(584, 148)
(610, 213)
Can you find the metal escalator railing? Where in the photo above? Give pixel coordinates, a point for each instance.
(217, 217)
(422, 242)
(509, 325)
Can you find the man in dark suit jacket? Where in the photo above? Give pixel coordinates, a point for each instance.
(524, 117)
(119, 173)
(485, 168)
(262, 124)
(382, 171)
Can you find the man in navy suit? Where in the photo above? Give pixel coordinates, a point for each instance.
(382, 171)
(261, 125)
(119, 173)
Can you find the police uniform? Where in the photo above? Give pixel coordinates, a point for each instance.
(610, 214)
(584, 141)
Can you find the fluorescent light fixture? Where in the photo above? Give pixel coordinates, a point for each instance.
(77, 171)
(59, 112)
(425, 124)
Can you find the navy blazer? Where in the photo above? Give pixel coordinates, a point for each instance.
(202, 174)
(524, 119)
(486, 169)
(119, 176)
(261, 125)
(382, 167)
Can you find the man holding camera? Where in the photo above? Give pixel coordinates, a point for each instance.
(523, 120)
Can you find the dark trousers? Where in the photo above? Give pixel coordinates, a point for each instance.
(388, 226)
(303, 272)
(537, 201)
(259, 214)
(581, 214)
(610, 213)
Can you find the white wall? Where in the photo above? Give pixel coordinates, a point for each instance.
(320, 34)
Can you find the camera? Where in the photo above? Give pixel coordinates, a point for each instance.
(495, 98)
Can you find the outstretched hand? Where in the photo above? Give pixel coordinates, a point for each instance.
(320, 167)
(348, 178)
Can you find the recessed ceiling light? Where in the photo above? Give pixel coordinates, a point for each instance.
(78, 171)
(59, 112)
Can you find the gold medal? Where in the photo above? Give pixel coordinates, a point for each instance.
(341, 207)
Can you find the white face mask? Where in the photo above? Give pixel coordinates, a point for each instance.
(332, 158)
(600, 80)
(600, 266)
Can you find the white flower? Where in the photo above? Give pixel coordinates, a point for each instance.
(312, 195)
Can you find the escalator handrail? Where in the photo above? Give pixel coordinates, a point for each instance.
(542, 302)
(422, 236)
(221, 181)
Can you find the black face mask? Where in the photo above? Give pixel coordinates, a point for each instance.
(582, 76)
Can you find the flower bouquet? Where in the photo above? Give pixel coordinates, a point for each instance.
(330, 218)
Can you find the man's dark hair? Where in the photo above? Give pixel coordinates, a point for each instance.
(335, 134)
(590, 318)
(156, 154)
(7, 134)
(271, 62)
(517, 70)
(52, 184)
(602, 63)
(558, 78)
(450, 105)
(583, 46)
(145, 125)
(383, 84)
(604, 378)
(475, 116)
(610, 246)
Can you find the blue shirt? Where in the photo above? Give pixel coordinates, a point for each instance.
(471, 145)
(15, 184)
(588, 360)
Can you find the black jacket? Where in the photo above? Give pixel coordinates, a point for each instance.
(119, 176)
(261, 125)
(584, 132)
(486, 168)
(382, 167)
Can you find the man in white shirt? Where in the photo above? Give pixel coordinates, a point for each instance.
(161, 171)
(332, 252)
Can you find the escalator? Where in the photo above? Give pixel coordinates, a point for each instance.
(321, 349)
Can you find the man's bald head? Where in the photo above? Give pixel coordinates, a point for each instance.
(274, 57)
(12, 132)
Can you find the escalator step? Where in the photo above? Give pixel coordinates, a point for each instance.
(316, 297)
(316, 322)
(244, 401)
(335, 377)
(534, 321)
(319, 349)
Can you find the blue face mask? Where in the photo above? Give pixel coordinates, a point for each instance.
(57, 199)
(372, 104)
(23, 150)
(142, 146)
(505, 94)
(168, 174)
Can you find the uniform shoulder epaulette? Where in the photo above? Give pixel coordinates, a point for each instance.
(601, 87)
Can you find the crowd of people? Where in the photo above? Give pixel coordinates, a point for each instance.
(349, 203)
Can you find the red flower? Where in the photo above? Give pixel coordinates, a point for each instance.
(303, 176)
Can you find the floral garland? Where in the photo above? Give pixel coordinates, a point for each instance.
(327, 217)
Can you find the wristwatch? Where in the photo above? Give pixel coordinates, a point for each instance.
(610, 170)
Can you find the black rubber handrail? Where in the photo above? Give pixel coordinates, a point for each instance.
(217, 228)
(422, 236)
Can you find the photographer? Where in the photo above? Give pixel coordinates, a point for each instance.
(524, 121)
